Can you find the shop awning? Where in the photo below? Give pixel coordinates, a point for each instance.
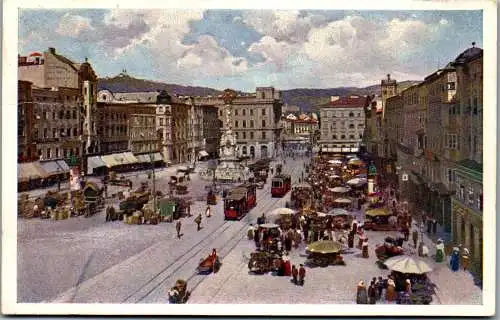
(120, 158)
(157, 156)
(109, 160)
(141, 158)
(64, 166)
(30, 171)
(203, 153)
(51, 168)
(93, 163)
(130, 157)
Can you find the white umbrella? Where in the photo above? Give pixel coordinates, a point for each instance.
(334, 176)
(338, 212)
(335, 161)
(342, 200)
(281, 211)
(339, 189)
(357, 181)
(407, 264)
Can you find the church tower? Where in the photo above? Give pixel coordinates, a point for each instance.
(389, 89)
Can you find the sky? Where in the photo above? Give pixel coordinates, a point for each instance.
(244, 49)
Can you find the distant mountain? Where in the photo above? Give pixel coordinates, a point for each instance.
(306, 99)
(125, 83)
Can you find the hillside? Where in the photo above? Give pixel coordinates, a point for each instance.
(306, 99)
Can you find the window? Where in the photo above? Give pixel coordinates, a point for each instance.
(48, 152)
(65, 153)
(474, 109)
(74, 114)
(244, 124)
(351, 126)
(351, 137)
(251, 112)
(61, 114)
(244, 112)
(451, 141)
(236, 124)
(68, 132)
(45, 115)
(334, 137)
(45, 132)
(263, 123)
(263, 136)
(451, 85)
(57, 153)
(263, 112)
(237, 135)
(235, 112)
(251, 134)
(351, 114)
(361, 136)
(251, 123)
(244, 135)
(54, 133)
(342, 137)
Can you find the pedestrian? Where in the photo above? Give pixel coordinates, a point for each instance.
(250, 232)
(208, 212)
(372, 293)
(178, 228)
(455, 259)
(439, 251)
(365, 249)
(197, 220)
(381, 285)
(302, 274)
(415, 237)
(295, 274)
(434, 226)
(465, 258)
(361, 294)
(390, 294)
(256, 238)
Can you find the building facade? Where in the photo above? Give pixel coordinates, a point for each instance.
(211, 131)
(342, 124)
(256, 121)
(26, 150)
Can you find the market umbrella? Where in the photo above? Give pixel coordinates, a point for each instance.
(338, 212)
(324, 246)
(303, 185)
(335, 161)
(361, 175)
(340, 189)
(269, 225)
(343, 200)
(378, 212)
(281, 211)
(321, 214)
(357, 181)
(334, 176)
(407, 264)
(355, 162)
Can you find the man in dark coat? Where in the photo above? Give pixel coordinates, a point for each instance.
(372, 293)
(178, 228)
(415, 238)
(295, 274)
(198, 222)
(302, 274)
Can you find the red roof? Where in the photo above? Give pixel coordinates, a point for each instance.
(36, 54)
(348, 102)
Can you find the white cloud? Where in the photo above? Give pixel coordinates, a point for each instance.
(282, 25)
(72, 25)
(273, 51)
(207, 58)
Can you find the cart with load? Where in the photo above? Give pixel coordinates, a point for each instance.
(211, 198)
(209, 264)
(173, 208)
(115, 181)
(262, 262)
(390, 248)
(134, 203)
(178, 293)
(380, 220)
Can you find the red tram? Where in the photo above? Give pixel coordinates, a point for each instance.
(241, 200)
(280, 185)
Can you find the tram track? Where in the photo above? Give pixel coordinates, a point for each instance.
(222, 251)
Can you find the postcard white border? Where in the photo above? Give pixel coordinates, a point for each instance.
(9, 179)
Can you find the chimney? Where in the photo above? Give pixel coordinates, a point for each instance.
(52, 50)
(334, 98)
(388, 77)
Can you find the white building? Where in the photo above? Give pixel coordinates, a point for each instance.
(342, 124)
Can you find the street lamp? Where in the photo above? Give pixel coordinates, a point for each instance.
(152, 174)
